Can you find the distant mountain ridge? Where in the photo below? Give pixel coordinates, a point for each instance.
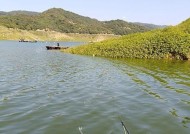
(19, 12)
(151, 26)
(2, 13)
(57, 19)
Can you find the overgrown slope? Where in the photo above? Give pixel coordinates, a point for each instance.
(171, 42)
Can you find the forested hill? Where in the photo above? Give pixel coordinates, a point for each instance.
(121, 27)
(57, 19)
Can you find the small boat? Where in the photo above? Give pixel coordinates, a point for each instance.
(55, 47)
(22, 40)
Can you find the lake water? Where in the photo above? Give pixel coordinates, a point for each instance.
(50, 92)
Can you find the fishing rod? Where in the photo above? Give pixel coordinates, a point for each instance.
(80, 130)
(123, 125)
(124, 128)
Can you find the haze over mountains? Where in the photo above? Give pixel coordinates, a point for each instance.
(59, 20)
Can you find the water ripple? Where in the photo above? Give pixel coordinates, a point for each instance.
(51, 92)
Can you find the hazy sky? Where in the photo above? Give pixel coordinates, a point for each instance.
(163, 12)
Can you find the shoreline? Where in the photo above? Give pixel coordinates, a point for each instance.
(42, 35)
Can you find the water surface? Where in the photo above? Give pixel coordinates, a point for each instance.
(52, 92)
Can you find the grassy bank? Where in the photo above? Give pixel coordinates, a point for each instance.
(169, 43)
(42, 35)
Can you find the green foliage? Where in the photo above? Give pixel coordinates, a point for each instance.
(170, 43)
(67, 22)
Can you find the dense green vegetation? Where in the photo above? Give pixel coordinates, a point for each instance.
(66, 22)
(170, 43)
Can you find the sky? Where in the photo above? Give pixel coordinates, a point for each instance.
(160, 12)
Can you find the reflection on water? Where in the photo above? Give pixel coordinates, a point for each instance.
(52, 92)
(163, 79)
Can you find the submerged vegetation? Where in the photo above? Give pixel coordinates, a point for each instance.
(168, 43)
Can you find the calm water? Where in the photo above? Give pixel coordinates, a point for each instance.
(49, 92)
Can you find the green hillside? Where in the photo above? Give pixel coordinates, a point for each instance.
(59, 20)
(169, 43)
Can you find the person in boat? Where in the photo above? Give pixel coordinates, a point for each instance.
(58, 44)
